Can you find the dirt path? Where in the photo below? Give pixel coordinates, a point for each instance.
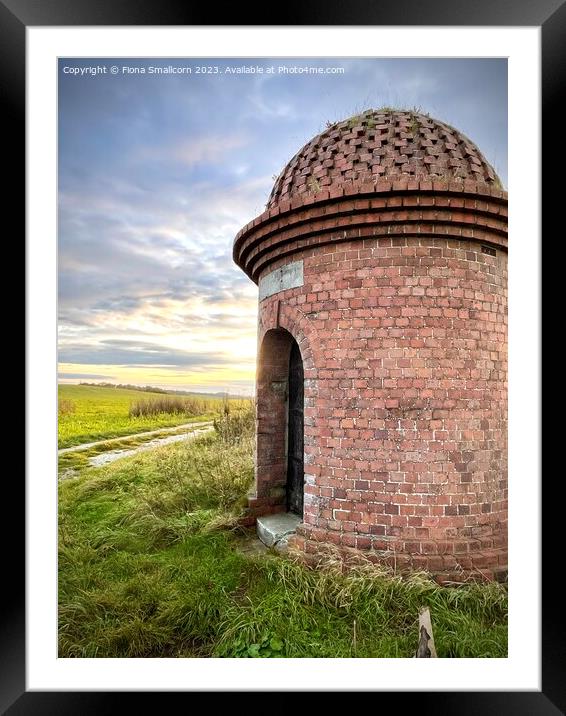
(105, 457)
(158, 431)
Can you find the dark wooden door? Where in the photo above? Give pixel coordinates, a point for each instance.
(295, 465)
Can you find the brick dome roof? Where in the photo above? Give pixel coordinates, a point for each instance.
(381, 144)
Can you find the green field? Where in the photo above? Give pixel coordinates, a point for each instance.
(99, 413)
(152, 564)
(80, 459)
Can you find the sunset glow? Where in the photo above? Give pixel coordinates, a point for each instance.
(158, 172)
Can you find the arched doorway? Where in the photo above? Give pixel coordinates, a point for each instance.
(279, 468)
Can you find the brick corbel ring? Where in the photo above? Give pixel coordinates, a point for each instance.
(399, 208)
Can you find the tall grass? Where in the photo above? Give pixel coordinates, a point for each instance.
(170, 405)
(312, 612)
(151, 565)
(236, 424)
(66, 407)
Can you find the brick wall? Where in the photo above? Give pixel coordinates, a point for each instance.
(402, 325)
(405, 400)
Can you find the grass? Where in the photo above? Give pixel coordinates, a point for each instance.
(172, 404)
(151, 565)
(79, 460)
(97, 413)
(313, 185)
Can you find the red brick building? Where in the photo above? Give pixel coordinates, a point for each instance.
(381, 261)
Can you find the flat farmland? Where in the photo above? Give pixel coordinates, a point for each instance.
(88, 413)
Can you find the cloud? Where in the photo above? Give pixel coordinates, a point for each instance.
(119, 256)
(137, 353)
(84, 376)
(201, 149)
(207, 149)
(270, 108)
(157, 177)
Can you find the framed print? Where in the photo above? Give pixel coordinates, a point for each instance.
(49, 53)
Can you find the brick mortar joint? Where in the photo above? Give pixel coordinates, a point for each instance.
(304, 545)
(307, 229)
(402, 214)
(384, 189)
(257, 265)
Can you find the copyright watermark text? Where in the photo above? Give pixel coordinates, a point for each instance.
(180, 69)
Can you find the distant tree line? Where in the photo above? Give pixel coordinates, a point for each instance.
(127, 386)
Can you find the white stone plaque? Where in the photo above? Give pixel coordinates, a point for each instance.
(288, 276)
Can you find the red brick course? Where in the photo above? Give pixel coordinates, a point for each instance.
(449, 211)
(402, 326)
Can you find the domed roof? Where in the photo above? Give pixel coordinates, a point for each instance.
(381, 144)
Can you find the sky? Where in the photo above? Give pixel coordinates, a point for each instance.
(158, 171)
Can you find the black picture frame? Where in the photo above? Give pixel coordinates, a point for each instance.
(15, 17)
